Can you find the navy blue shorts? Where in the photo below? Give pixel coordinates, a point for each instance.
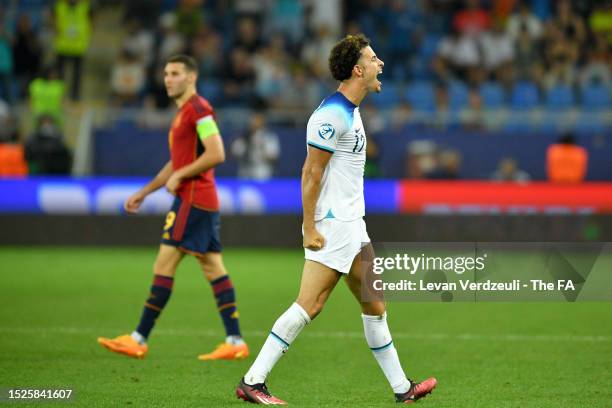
(191, 229)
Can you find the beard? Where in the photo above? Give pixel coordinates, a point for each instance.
(177, 94)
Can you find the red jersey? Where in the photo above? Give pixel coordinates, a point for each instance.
(185, 147)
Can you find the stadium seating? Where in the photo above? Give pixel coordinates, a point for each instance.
(595, 98)
(34, 8)
(590, 123)
(212, 89)
(525, 96)
(429, 46)
(554, 121)
(519, 122)
(389, 98)
(421, 96)
(419, 69)
(492, 95)
(560, 97)
(458, 94)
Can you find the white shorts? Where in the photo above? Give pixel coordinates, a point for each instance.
(343, 241)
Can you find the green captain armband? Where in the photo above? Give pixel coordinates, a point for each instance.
(206, 127)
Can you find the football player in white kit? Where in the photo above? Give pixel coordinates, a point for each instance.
(335, 236)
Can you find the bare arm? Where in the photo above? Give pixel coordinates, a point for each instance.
(132, 204)
(214, 154)
(160, 179)
(312, 172)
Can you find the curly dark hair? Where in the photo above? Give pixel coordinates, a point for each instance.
(345, 55)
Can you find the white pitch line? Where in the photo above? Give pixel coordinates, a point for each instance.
(324, 334)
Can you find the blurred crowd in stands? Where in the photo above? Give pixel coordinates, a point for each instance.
(274, 53)
(447, 59)
(565, 163)
(251, 53)
(42, 48)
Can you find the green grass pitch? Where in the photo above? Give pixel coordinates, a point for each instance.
(55, 302)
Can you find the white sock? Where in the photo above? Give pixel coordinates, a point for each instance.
(138, 337)
(379, 340)
(234, 340)
(284, 331)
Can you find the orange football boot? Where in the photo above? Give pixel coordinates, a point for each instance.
(226, 351)
(124, 345)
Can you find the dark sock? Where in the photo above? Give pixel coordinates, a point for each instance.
(226, 304)
(160, 293)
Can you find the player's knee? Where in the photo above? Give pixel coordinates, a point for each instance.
(212, 270)
(162, 269)
(373, 308)
(213, 274)
(312, 307)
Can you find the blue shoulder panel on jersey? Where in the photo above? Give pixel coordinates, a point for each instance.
(339, 101)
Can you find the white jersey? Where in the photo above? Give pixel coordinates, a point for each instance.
(336, 127)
